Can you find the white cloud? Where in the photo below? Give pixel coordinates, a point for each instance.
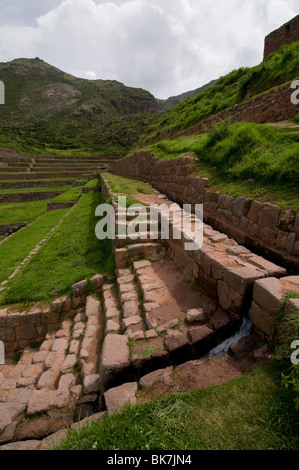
(164, 46)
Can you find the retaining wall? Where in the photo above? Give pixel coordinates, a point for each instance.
(39, 184)
(18, 330)
(52, 206)
(28, 197)
(276, 105)
(8, 229)
(40, 176)
(268, 296)
(286, 34)
(261, 227)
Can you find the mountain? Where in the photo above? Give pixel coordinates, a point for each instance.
(49, 111)
(166, 105)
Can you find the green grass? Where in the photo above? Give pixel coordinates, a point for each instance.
(83, 117)
(120, 184)
(36, 190)
(253, 412)
(239, 85)
(71, 254)
(94, 183)
(245, 159)
(15, 249)
(69, 196)
(22, 211)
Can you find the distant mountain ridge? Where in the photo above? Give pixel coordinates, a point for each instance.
(49, 109)
(166, 105)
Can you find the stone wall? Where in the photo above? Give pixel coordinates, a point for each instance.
(28, 197)
(19, 329)
(286, 34)
(52, 206)
(268, 295)
(39, 184)
(8, 229)
(261, 227)
(222, 269)
(39, 176)
(276, 105)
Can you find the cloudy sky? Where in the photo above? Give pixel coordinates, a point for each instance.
(164, 46)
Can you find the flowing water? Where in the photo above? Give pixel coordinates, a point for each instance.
(244, 331)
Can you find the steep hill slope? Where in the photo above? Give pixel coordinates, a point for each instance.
(234, 88)
(48, 110)
(166, 105)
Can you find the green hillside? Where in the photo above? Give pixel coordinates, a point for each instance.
(239, 85)
(49, 111)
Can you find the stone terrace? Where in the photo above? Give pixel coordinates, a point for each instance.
(118, 340)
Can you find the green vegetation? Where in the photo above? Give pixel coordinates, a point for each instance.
(35, 190)
(22, 211)
(122, 185)
(251, 412)
(50, 112)
(93, 183)
(71, 254)
(69, 196)
(289, 324)
(15, 249)
(246, 159)
(239, 85)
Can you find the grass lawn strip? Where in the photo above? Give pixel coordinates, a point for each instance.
(71, 254)
(15, 249)
(248, 159)
(22, 211)
(253, 412)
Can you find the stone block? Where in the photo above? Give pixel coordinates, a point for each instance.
(26, 332)
(127, 322)
(195, 316)
(262, 321)
(200, 334)
(12, 320)
(118, 397)
(267, 294)
(268, 216)
(91, 384)
(175, 340)
(240, 279)
(114, 358)
(93, 306)
(44, 400)
(79, 289)
(96, 282)
(164, 376)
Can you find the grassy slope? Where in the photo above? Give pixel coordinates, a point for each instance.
(69, 196)
(22, 211)
(127, 187)
(36, 190)
(250, 413)
(242, 84)
(71, 254)
(15, 249)
(120, 184)
(49, 111)
(245, 159)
